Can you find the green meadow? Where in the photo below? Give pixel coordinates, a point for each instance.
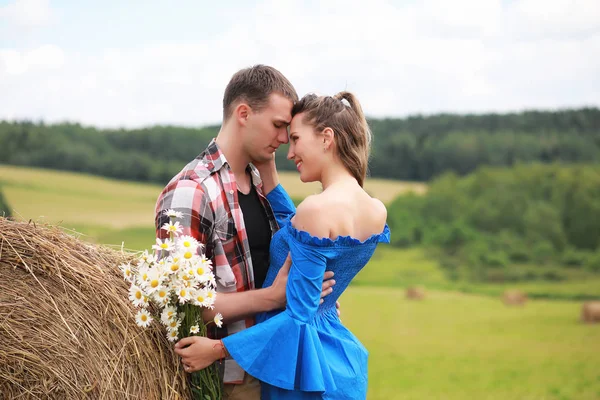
(460, 342)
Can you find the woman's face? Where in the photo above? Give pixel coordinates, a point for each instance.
(306, 149)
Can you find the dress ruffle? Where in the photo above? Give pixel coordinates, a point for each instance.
(340, 241)
(283, 352)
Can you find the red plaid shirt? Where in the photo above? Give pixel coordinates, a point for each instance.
(205, 192)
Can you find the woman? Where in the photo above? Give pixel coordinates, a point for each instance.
(310, 354)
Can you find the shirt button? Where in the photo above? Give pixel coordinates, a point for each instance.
(231, 191)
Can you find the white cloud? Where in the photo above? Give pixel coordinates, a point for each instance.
(424, 57)
(14, 62)
(28, 13)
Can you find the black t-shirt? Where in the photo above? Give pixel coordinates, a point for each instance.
(258, 230)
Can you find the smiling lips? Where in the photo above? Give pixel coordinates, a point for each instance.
(298, 165)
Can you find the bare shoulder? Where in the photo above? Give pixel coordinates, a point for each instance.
(379, 213)
(379, 210)
(311, 216)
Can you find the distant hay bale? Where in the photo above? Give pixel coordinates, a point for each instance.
(514, 298)
(415, 293)
(590, 312)
(67, 329)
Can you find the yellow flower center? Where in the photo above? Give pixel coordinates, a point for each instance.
(186, 243)
(188, 255)
(200, 271)
(174, 267)
(144, 318)
(144, 276)
(209, 295)
(154, 283)
(162, 293)
(200, 299)
(182, 292)
(138, 295)
(164, 246)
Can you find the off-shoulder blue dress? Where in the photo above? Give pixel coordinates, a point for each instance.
(304, 351)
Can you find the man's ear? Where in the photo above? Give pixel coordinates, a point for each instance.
(241, 112)
(328, 138)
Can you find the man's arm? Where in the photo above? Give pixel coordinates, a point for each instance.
(188, 197)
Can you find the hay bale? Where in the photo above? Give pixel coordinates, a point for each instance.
(67, 329)
(590, 312)
(415, 293)
(514, 298)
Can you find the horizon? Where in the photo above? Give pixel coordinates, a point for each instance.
(217, 125)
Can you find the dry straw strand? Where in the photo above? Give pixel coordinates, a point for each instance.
(67, 328)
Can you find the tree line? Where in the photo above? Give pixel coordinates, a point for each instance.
(532, 221)
(415, 148)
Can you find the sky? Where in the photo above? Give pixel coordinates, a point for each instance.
(140, 63)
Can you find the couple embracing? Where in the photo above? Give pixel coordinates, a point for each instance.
(280, 269)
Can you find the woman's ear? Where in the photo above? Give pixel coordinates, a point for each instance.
(328, 138)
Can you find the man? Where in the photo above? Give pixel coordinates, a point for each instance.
(221, 196)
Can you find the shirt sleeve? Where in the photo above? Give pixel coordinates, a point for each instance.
(282, 204)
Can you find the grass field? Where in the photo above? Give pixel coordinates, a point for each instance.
(450, 346)
(457, 346)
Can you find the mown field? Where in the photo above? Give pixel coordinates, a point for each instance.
(452, 345)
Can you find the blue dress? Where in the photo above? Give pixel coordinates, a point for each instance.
(304, 351)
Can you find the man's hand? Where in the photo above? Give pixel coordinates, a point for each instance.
(327, 286)
(198, 352)
(279, 284)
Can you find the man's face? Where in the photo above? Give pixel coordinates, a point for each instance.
(267, 129)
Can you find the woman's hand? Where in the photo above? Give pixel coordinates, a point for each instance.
(199, 352)
(268, 174)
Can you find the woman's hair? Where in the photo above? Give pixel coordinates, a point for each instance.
(344, 115)
(254, 85)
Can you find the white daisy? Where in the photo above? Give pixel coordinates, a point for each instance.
(173, 266)
(163, 245)
(199, 298)
(172, 335)
(211, 294)
(146, 259)
(173, 214)
(187, 243)
(206, 262)
(161, 296)
(173, 324)
(218, 320)
(183, 294)
(127, 273)
(143, 274)
(194, 329)
(137, 297)
(174, 228)
(169, 312)
(154, 281)
(143, 318)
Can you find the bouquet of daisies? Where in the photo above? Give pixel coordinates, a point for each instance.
(174, 285)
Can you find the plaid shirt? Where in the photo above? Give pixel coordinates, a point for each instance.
(205, 192)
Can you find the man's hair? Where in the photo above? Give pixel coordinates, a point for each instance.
(344, 115)
(253, 86)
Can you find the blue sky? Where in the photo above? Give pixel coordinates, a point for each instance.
(139, 63)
